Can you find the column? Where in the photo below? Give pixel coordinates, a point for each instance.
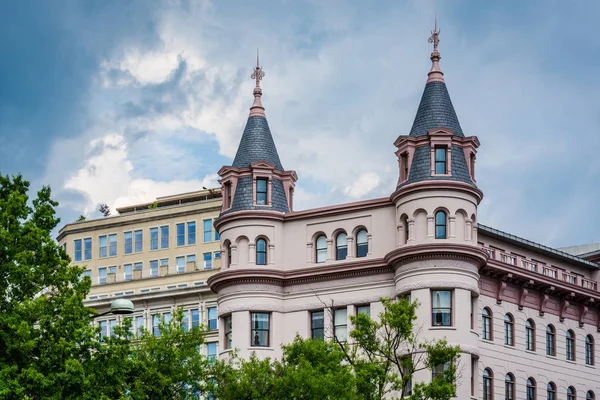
(351, 249)
(234, 256)
(330, 249)
(309, 252)
(271, 254)
(411, 230)
(370, 244)
(468, 229)
(452, 226)
(430, 226)
(251, 253)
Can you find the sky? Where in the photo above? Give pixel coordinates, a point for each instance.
(119, 102)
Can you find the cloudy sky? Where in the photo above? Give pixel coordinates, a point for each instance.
(123, 101)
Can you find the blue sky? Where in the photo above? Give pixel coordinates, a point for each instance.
(123, 101)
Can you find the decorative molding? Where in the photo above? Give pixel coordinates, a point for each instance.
(445, 250)
(501, 290)
(544, 302)
(437, 185)
(522, 298)
(583, 311)
(439, 284)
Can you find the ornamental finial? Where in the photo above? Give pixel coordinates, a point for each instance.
(257, 108)
(436, 74)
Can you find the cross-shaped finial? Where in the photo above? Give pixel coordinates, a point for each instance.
(435, 36)
(258, 73)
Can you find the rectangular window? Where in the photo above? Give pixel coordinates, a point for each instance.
(87, 248)
(128, 242)
(180, 229)
(404, 166)
(164, 237)
(128, 272)
(217, 255)
(153, 238)
(441, 307)
(207, 223)
(139, 325)
(102, 246)
(138, 266)
(363, 310)
(112, 325)
(340, 322)
(259, 329)
(180, 263)
(88, 273)
(207, 260)
(191, 261)
(440, 160)
(261, 191)
(139, 241)
(191, 235)
(103, 330)
(317, 325)
(101, 276)
(212, 318)
(211, 351)
(156, 324)
(77, 247)
(112, 245)
(217, 236)
(228, 338)
(439, 369)
(185, 321)
(195, 318)
(154, 268)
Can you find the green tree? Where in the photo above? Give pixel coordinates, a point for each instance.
(45, 335)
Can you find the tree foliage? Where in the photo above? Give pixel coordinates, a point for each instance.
(104, 210)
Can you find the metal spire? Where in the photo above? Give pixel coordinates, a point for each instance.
(257, 108)
(435, 74)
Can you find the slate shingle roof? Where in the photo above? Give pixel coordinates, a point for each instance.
(256, 145)
(242, 199)
(435, 111)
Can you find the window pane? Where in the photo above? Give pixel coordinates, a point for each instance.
(362, 243)
(321, 249)
(441, 301)
(87, 249)
(139, 241)
(191, 232)
(180, 234)
(164, 237)
(340, 323)
(261, 252)
(212, 318)
(363, 310)
(260, 329)
(261, 191)
(207, 223)
(207, 260)
(77, 247)
(128, 238)
(180, 263)
(195, 318)
(154, 268)
(341, 243)
(153, 238)
(102, 247)
(112, 243)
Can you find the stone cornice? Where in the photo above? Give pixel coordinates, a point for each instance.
(437, 185)
(297, 276)
(437, 250)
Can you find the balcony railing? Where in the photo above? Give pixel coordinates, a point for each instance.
(540, 268)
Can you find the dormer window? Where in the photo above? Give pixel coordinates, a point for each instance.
(228, 195)
(440, 161)
(404, 170)
(261, 191)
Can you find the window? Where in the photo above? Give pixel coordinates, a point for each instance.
(259, 331)
(228, 195)
(212, 318)
(571, 393)
(139, 325)
(138, 266)
(440, 160)
(486, 323)
(191, 259)
(127, 272)
(570, 350)
(317, 327)
(589, 350)
(340, 323)
(112, 245)
(530, 393)
(164, 237)
(139, 241)
(154, 268)
(228, 330)
(153, 238)
(440, 225)
(217, 255)
(77, 247)
(530, 335)
(207, 260)
(88, 273)
(488, 387)
(102, 246)
(261, 191)
(363, 310)
(550, 341)
(87, 248)
(321, 249)
(211, 351)
(180, 228)
(195, 318)
(509, 327)
(551, 391)
(362, 243)
(112, 325)
(185, 321)
(341, 246)
(191, 236)
(156, 324)
(101, 276)
(441, 311)
(217, 236)
(128, 242)
(180, 264)
(261, 252)
(590, 395)
(509, 387)
(103, 330)
(207, 230)
(439, 370)
(404, 166)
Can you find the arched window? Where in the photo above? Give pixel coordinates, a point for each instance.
(362, 243)
(440, 225)
(261, 252)
(341, 246)
(530, 393)
(488, 386)
(228, 251)
(589, 350)
(550, 341)
(570, 350)
(321, 249)
(486, 323)
(530, 335)
(590, 395)
(571, 393)
(509, 330)
(551, 391)
(509, 387)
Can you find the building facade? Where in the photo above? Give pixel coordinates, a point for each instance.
(525, 315)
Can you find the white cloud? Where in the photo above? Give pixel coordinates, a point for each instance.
(363, 185)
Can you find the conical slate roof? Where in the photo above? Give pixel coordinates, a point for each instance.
(435, 111)
(257, 144)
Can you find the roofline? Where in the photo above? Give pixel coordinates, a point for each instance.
(535, 246)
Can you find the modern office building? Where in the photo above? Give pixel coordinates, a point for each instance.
(525, 315)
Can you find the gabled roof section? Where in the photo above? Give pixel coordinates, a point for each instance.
(435, 111)
(257, 145)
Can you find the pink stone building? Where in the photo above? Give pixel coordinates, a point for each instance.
(525, 315)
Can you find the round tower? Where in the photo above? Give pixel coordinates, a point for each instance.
(257, 193)
(436, 260)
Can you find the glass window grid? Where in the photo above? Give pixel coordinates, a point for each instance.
(102, 246)
(550, 341)
(340, 324)
(180, 264)
(112, 245)
(128, 242)
(363, 310)
(207, 257)
(570, 346)
(551, 391)
(341, 246)
(207, 230)
(509, 330)
(212, 318)
(529, 335)
(164, 237)
(228, 332)
(486, 321)
(128, 272)
(139, 325)
(440, 225)
(261, 191)
(571, 393)
(261, 252)
(138, 237)
(211, 351)
(154, 268)
(195, 317)
(154, 238)
(440, 160)
(321, 249)
(77, 249)
(191, 233)
(441, 310)
(487, 385)
(102, 276)
(260, 329)
(362, 243)
(87, 248)
(509, 387)
(589, 350)
(530, 391)
(317, 325)
(180, 229)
